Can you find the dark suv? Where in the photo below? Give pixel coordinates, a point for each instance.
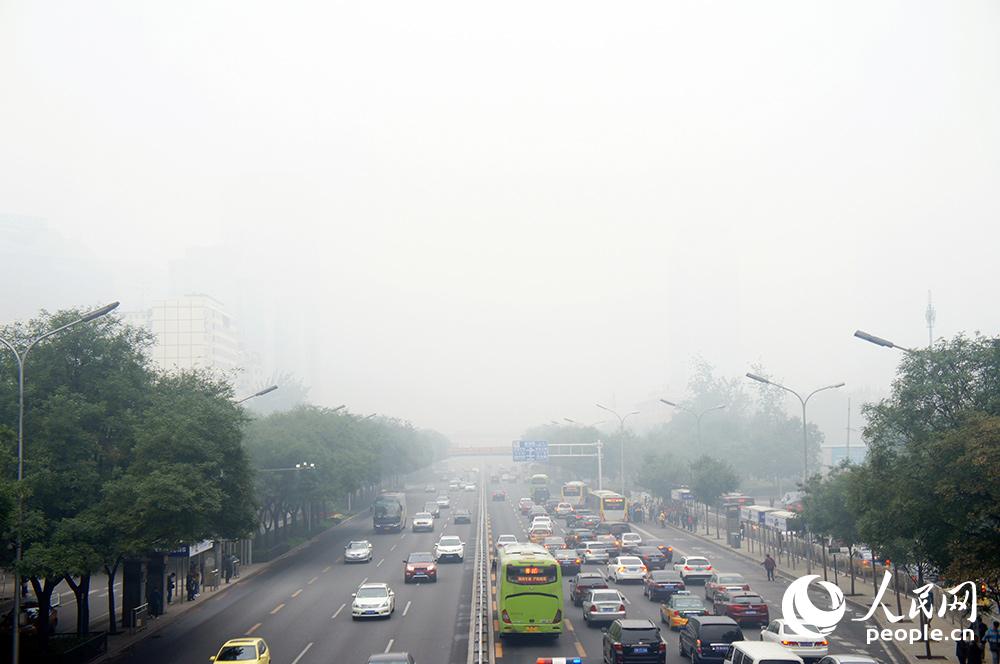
(583, 583)
(634, 641)
(707, 638)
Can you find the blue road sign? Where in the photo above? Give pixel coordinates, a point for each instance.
(530, 450)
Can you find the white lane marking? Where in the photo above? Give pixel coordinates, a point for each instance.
(406, 608)
(388, 646)
(402, 536)
(393, 547)
(338, 611)
(304, 651)
(379, 563)
(364, 581)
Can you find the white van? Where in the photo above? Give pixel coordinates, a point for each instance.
(755, 652)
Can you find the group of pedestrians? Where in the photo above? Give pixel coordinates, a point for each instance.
(972, 650)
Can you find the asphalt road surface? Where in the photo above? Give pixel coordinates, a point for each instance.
(301, 604)
(578, 640)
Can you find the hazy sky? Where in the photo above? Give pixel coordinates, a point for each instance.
(480, 217)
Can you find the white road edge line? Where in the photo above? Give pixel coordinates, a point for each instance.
(304, 651)
(388, 647)
(338, 611)
(406, 608)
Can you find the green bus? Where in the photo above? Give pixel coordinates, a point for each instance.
(529, 591)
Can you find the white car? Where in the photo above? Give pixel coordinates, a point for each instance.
(423, 521)
(694, 568)
(542, 521)
(470, 487)
(626, 568)
(430, 489)
(810, 644)
(373, 600)
(449, 547)
(360, 551)
(562, 509)
(503, 541)
(630, 540)
(444, 501)
(595, 552)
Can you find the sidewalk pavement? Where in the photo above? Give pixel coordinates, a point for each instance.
(863, 598)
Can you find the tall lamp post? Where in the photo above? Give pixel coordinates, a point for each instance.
(20, 358)
(261, 393)
(805, 435)
(621, 437)
(696, 414)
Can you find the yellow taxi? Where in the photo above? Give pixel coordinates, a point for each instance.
(246, 649)
(682, 603)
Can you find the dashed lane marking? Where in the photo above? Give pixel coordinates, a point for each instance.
(497, 650)
(337, 612)
(393, 547)
(312, 580)
(326, 569)
(253, 629)
(579, 649)
(277, 608)
(569, 626)
(379, 563)
(297, 593)
(364, 581)
(388, 646)
(406, 608)
(304, 651)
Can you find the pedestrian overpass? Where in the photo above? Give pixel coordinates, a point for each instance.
(501, 450)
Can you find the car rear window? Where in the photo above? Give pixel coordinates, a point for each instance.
(748, 599)
(664, 575)
(637, 635)
(421, 558)
(720, 634)
(238, 654)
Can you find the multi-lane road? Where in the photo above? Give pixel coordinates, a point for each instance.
(301, 603)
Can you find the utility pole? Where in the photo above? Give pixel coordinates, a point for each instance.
(930, 316)
(848, 429)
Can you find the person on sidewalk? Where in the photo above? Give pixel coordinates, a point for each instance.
(227, 567)
(974, 653)
(962, 651)
(171, 584)
(192, 585)
(769, 566)
(992, 640)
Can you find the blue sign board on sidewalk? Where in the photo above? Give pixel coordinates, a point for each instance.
(531, 450)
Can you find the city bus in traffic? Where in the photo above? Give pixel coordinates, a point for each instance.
(574, 493)
(389, 512)
(529, 591)
(539, 484)
(610, 506)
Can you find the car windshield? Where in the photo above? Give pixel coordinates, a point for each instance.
(449, 541)
(372, 591)
(506, 539)
(358, 545)
(687, 603)
(720, 634)
(422, 515)
(444, 498)
(605, 596)
(420, 558)
(730, 578)
(565, 554)
(642, 635)
(747, 599)
(238, 654)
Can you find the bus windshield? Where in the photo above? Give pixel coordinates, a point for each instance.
(571, 490)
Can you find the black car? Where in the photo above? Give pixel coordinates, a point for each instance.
(568, 560)
(707, 638)
(665, 549)
(628, 641)
(577, 515)
(462, 516)
(661, 584)
(575, 537)
(550, 505)
(615, 528)
(583, 583)
(650, 556)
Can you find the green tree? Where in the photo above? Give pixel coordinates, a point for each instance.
(710, 479)
(826, 507)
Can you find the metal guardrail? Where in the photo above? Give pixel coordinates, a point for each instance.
(481, 622)
(138, 615)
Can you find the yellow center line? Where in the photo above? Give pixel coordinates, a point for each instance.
(253, 629)
(497, 650)
(297, 592)
(277, 608)
(312, 580)
(579, 649)
(569, 625)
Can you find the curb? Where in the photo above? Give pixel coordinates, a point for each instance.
(161, 623)
(895, 652)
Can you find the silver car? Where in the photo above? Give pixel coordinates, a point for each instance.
(603, 605)
(359, 551)
(595, 552)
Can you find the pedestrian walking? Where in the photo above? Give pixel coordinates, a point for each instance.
(975, 653)
(227, 567)
(992, 640)
(171, 584)
(769, 566)
(192, 585)
(962, 651)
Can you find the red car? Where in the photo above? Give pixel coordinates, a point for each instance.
(420, 566)
(499, 496)
(722, 581)
(581, 585)
(743, 607)
(525, 505)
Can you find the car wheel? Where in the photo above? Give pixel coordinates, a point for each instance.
(354, 617)
(680, 647)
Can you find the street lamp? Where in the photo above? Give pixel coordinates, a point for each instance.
(261, 393)
(621, 437)
(340, 407)
(879, 341)
(697, 415)
(20, 358)
(581, 424)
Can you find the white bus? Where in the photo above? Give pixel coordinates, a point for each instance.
(574, 493)
(610, 506)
